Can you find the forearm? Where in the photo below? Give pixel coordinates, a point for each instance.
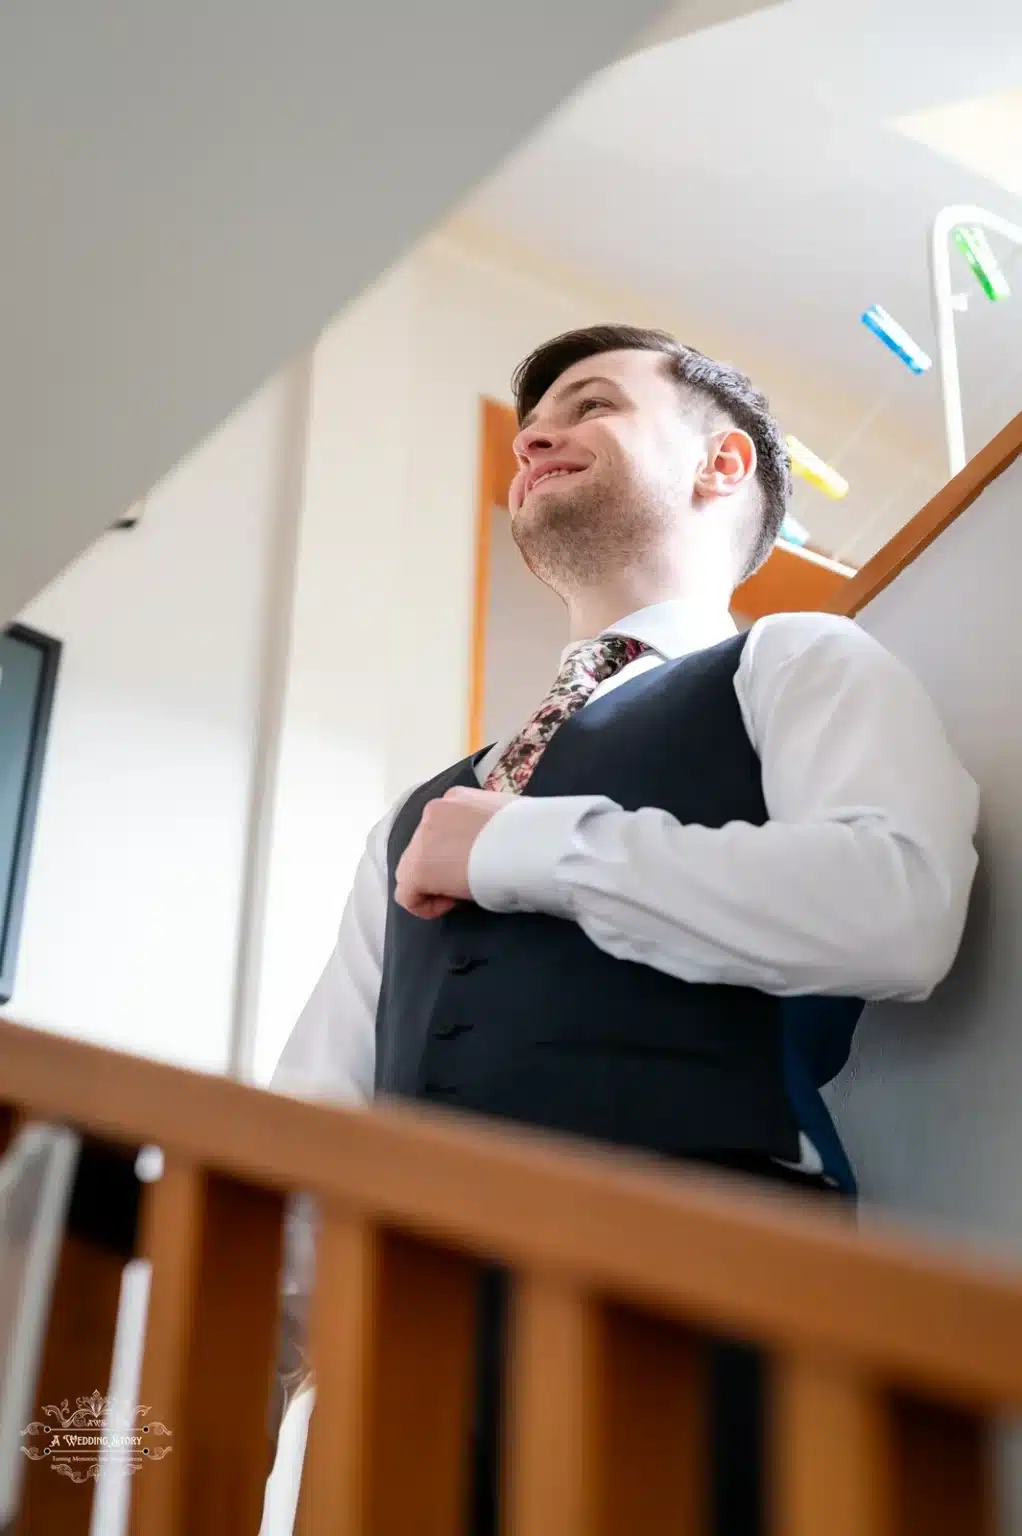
(855, 908)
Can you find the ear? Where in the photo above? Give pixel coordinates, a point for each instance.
(730, 464)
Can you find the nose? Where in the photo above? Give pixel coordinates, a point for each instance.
(534, 439)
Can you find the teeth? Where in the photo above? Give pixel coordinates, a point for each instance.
(550, 475)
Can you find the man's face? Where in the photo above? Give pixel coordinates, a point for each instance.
(606, 466)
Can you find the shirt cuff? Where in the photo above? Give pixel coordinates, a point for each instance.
(516, 860)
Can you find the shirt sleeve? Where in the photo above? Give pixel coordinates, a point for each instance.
(331, 1052)
(330, 1056)
(856, 885)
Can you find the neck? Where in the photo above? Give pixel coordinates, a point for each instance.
(595, 608)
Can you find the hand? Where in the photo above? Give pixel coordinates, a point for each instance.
(433, 871)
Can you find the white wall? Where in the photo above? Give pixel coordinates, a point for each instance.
(133, 902)
(930, 1100)
(353, 660)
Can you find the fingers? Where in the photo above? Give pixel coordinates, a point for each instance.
(432, 873)
(468, 796)
(410, 894)
(420, 903)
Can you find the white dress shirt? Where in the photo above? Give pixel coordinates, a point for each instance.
(856, 885)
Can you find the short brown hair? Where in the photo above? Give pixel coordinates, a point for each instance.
(727, 387)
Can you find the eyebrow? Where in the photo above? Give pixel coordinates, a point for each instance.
(567, 392)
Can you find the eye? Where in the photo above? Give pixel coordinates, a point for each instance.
(592, 405)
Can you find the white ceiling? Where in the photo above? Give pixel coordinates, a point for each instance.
(190, 190)
(983, 133)
(750, 175)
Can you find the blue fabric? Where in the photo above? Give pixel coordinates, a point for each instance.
(817, 1042)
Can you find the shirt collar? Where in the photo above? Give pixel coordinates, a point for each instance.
(673, 628)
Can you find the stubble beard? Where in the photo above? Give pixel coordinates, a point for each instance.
(584, 535)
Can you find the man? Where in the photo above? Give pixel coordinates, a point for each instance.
(602, 926)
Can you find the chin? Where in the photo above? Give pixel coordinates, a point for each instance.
(534, 510)
(556, 497)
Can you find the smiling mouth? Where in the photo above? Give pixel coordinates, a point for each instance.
(550, 476)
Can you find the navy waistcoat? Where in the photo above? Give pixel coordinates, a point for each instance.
(521, 1016)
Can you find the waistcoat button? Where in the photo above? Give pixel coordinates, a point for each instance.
(449, 1030)
(462, 963)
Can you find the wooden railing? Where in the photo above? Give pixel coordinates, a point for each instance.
(891, 1360)
(930, 521)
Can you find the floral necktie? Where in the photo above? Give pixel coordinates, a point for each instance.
(588, 665)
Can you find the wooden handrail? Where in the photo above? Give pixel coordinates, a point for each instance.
(693, 1244)
(791, 581)
(938, 514)
(890, 1353)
